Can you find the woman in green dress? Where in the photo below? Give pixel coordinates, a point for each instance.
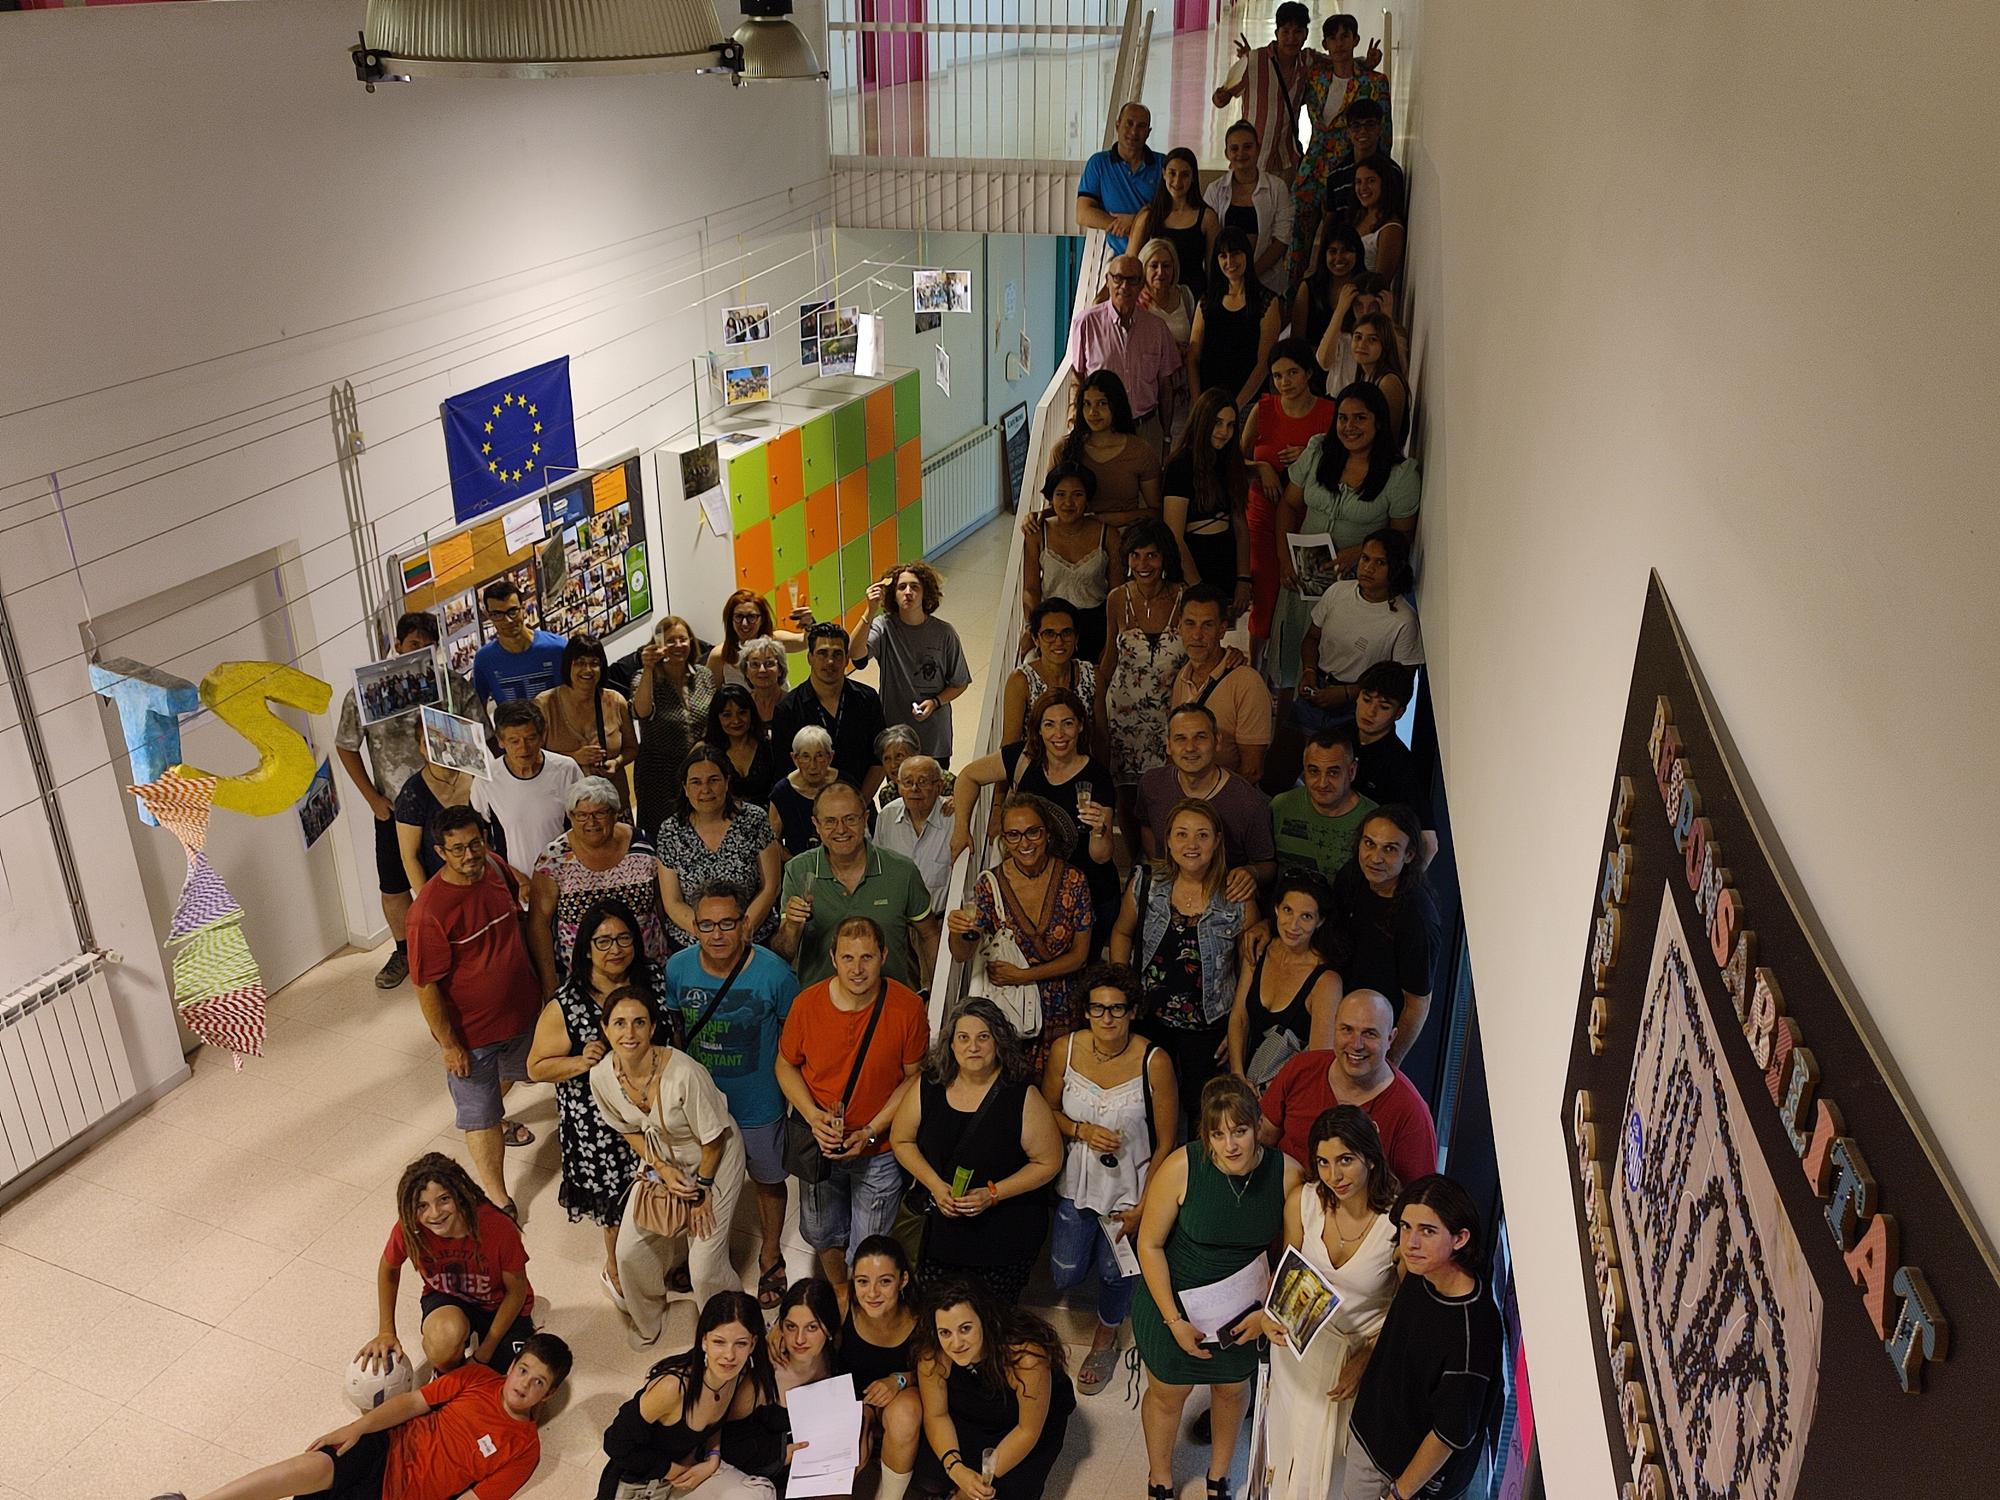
(1215, 1205)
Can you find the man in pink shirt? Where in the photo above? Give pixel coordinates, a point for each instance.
(1357, 1071)
(1132, 342)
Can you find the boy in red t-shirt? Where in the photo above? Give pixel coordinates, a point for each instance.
(471, 1432)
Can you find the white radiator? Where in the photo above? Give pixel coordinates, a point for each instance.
(961, 488)
(62, 1063)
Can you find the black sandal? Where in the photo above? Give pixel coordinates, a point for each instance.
(1218, 1489)
(1159, 1492)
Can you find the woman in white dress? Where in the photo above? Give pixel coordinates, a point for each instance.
(1338, 1219)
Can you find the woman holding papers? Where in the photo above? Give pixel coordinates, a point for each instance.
(1339, 1221)
(877, 1349)
(993, 1382)
(667, 1439)
(1212, 1213)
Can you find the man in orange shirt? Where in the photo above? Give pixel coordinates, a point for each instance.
(470, 1432)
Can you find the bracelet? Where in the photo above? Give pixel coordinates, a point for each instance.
(1395, 1491)
(701, 1181)
(993, 1188)
(951, 1457)
(902, 1381)
(1244, 578)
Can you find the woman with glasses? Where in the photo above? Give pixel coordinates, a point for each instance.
(714, 837)
(587, 721)
(791, 812)
(670, 700)
(766, 674)
(1041, 900)
(1072, 556)
(1115, 1105)
(1059, 664)
(597, 1165)
(735, 728)
(597, 857)
(747, 617)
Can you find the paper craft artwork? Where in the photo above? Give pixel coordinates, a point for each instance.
(217, 987)
(870, 339)
(320, 805)
(749, 324)
(1301, 1301)
(240, 694)
(1313, 562)
(150, 706)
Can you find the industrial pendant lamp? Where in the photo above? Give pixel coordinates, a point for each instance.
(404, 39)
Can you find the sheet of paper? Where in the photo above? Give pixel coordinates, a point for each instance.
(523, 525)
(1216, 1306)
(826, 1416)
(1121, 1247)
(715, 506)
(451, 559)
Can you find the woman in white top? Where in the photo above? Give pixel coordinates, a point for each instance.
(1338, 1219)
(1164, 292)
(1116, 1106)
(1378, 218)
(672, 1115)
(1071, 556)
(1359, 621)
(1255, 201)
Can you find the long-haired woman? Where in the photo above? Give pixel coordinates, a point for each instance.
(1275, 432)
(1141, 656)
(1378, 215)
(1203, 490)
(671, 1430)
(877, 1348)
(1338, 1219)
(1105, 439)
(1319, 303)
(1378, 359)
(473, 1266)
(993, 1379)
(713, 836)
(1235, 325)
(1072, 556)
(670, 701)
(747, 617)
(1286, 1000)
(1178, 215)
(735, 728)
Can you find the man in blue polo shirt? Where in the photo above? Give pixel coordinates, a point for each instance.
(1118, 182)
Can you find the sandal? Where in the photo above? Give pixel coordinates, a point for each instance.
(1159, 1491)
(1218, 1489)
(1097, 1369)
(771, 1284)
(680, 1279)
(514, 1133)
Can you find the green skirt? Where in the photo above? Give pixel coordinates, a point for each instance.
(1168, 1362)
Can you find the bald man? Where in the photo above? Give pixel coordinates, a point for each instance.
(1119, 181)
(1356, 1070)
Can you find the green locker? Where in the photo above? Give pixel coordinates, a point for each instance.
(910, 531)
(882, 489)
(854, 573)
(850, 437)
(909, 408)
(816, 448)
(749, 489)
(823, 585)
(788, 542)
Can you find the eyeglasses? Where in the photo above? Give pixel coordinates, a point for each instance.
(1024, 835)
(1117, 1009)
(843, 820)
(459, 851)
(507, 614)
(754, 616)
(1050, 633)
(593, 814)
(718, 924)
(605, 942)
(1118, 279)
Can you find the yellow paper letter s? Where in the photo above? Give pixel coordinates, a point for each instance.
(239, 694)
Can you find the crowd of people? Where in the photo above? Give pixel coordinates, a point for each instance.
(707, 908)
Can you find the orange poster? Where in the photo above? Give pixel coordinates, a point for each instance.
(451, 559)
(608, 488)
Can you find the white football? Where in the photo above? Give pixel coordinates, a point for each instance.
(368, 1388)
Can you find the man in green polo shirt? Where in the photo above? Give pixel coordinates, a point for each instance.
(847, 876)
(1315, 826)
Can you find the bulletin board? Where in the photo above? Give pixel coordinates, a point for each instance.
(577, 551)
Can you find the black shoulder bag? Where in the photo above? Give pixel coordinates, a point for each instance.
(802, 1157)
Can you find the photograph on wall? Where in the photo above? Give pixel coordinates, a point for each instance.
(459, 614)
(460, 652)
(749, 324)
(701, 470)
(1300, 1301)
(809, 330)
(746, 385)
(1027, 358)
(957, 291)
(929, 322)
(839, 340)
(1711, 1260)
(942, 291)
(454, 744)
(1313, 562)
(396, 686)
(320, 805)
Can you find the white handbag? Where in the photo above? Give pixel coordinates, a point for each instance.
(1021, 1004)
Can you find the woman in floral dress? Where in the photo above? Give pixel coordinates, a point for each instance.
(1141, 656)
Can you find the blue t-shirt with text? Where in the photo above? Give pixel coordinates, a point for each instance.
(739, 1045)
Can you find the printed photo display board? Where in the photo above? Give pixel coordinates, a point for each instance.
(822, 510)
(580, 563)
(1790, 1297)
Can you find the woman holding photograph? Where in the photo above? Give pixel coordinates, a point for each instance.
(587, 721)
(747, 617)
(1339, 1221)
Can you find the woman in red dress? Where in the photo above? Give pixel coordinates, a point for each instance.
(1273, 435)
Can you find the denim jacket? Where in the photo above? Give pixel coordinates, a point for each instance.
(1216, 930)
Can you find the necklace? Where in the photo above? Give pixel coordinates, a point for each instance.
(625, 1081)
(1110, 1056)
(1235, 1191)
(1214, 786)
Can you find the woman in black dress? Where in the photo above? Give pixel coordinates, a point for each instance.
(735, 729)
(1179, 215)
(993, 1380)
(1235, 326)
(876, 1348)
(984, 1171)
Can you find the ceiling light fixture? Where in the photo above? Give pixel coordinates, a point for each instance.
(405, 39)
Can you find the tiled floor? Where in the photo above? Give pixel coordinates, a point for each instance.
(179, 1304)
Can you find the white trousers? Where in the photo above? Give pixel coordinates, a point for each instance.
(645, 1259)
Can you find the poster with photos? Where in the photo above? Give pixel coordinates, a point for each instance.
(839, 340)
(809, 329)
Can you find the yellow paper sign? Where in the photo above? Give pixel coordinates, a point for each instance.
(607, 489)
(451, 559)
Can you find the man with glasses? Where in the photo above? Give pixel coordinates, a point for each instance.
(850, 876)
(849, 711)
(912, 827)
(476, 984)
(1132, 342)
(733, 997)
(1119, 181)
(517, 662)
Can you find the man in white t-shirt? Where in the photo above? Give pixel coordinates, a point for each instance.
(527, 786)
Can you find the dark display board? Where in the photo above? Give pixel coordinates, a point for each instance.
(1014, 437)
(1789, 1296)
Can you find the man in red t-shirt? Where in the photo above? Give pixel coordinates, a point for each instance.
(822, 1037)
(476, 983)
(1356, 1071)
(471, 1432)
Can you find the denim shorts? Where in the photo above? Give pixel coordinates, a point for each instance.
(764, 1152)
(477, 1095)
(858, 1199)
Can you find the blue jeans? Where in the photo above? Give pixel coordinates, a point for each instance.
(857, 1199)
(1076, 1246)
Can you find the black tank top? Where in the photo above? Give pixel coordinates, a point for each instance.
(867, 1362)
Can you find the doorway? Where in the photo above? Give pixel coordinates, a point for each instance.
(292, 911)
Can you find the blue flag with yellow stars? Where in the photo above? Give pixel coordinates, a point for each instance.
(509, 438)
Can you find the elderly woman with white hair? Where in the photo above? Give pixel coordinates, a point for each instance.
(792, 798)
(598, 857)
(766, 672)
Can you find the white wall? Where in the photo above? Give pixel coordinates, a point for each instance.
(881, 262)
(194, 181)
(1716, 295)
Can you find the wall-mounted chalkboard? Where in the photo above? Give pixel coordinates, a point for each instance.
(1014, 444)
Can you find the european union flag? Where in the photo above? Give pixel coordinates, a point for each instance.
(502, 440)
